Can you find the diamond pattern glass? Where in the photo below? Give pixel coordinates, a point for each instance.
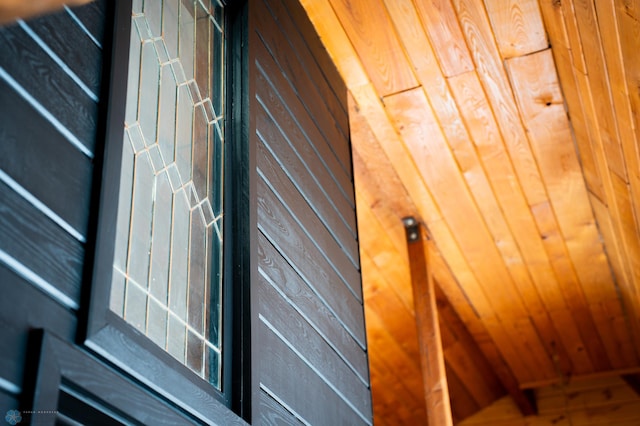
(168, 265)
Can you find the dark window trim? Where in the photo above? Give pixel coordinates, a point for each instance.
(61, 372)
(238, 224)
(108, 335)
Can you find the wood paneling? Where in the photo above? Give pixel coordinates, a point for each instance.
(516, 143)
(594, 402)
(307, 309)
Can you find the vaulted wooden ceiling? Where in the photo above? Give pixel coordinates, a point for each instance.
(510, 129)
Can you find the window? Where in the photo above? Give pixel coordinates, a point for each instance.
(167, 277)
(166, 256)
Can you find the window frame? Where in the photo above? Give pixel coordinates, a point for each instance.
(104, 332)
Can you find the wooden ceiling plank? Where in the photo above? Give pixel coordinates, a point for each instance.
(590, 167)
(629, 29)
(623, 113)
(376, 179)
(554, 148)
(405, 368)
(575, 40)
(414, 119)
(369, 28)
(465, 358)
(443, 28)
(444, 106)
(618, 340)
(478, 33)
(336, 41)
(371, 108)
(477, 331)
(611, 243)
(383, 299)
(617, 206)
(377, 248)
(469, 95)
(538, 93)
(493, 77)
(554, 18)
(596, 69)
(396, 400)
(517, 25)
(463, 404)
(554, 25)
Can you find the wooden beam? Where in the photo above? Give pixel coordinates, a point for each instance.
(623, 372)
(633, 380)
(431, 355)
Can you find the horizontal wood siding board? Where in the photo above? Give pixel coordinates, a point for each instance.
(327, 96)
(321, 56)
(285, 118)
(92, 17)
(280, 228)
(279, 161)
(83, 56)
(308, 395)
(29, 144)
(40, 245)
(272, 413)
(318, 353)
(295, 66)
(344, 262)
(22, 308)
(298, 293)
(50, 86)
(271, 62)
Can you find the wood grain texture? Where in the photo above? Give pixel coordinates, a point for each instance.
(600, 401)
(28, 145)
(298, 127)
(51, 86)
(343, 262)
(522, 193)
(302, 296)
(84, 58)
(517, 26)
(39, 245)
(280, 228)
(308, 318)
(434, 375)
(280, 357)
(93, 17)
(316, 351)
(307, 80)
(440, 21)
(380, 52)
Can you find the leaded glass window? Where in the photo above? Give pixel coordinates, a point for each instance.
(167, 271)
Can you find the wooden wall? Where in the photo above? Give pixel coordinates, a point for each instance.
(605, 401)
(49, 92)
(309, 321)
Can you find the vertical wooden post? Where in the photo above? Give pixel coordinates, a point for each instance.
(434, 376)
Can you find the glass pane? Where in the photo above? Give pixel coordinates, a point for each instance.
(167, 279)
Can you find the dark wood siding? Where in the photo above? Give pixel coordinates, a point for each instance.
(50, 70)
(309, 338)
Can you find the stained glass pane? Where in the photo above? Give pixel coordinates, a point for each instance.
(167, 278)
